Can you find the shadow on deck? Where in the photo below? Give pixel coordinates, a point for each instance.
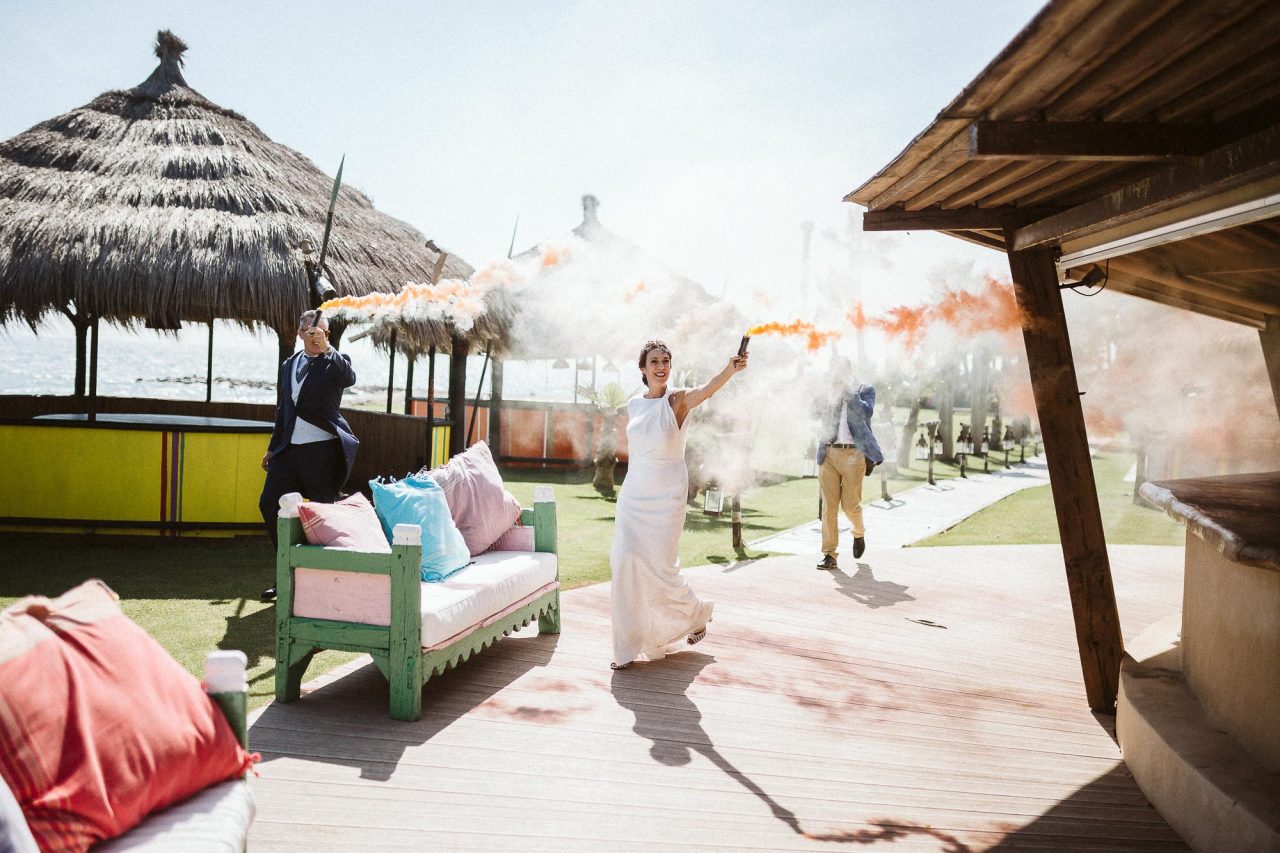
(825, 710)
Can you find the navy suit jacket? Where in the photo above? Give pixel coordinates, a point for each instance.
(861, 401)
(318, 402)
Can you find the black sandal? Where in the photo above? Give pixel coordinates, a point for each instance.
(697, 636)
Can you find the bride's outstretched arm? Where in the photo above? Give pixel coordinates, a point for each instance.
(684, 401)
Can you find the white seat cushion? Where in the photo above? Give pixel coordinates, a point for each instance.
(497, 580)
(215, 820)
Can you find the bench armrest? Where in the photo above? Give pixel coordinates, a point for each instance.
(225, 682)
(542, 518)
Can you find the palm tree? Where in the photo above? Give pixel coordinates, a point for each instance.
(609, 400)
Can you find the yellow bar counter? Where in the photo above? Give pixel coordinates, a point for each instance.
(133, 473)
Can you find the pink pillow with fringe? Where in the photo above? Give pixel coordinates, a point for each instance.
(481, 507)
(348, 523)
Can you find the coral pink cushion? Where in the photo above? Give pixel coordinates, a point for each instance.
(98, 724)
(480, 506)
(348, 523)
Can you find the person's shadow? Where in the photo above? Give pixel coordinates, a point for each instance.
(656, 693)
(863, 588)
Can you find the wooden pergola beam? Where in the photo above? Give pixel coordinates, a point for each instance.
(959, 219)
(1090, 140)
(1075, 495)
(929, 170)
(1145, 288)
(1255, 300)
(1243, 162)
(980, 238)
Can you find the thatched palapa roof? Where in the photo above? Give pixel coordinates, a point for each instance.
(155, 203)
(482, 316)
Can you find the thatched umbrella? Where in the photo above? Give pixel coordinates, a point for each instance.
(454, 317)
(155, 204)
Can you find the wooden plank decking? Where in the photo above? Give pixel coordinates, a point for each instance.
(929, 700)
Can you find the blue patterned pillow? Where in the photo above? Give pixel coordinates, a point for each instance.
(420, 500)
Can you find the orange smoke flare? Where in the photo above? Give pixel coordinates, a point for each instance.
(993, 309)
(815, 338)
(551, 256)
(634, 290)
(907, 323)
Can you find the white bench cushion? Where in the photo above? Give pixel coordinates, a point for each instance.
(215, 820)
(497, 580)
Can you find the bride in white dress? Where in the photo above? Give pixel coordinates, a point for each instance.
(653, 607)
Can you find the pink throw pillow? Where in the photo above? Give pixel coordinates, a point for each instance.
(481, 507)
(348, 523)
(99, 726)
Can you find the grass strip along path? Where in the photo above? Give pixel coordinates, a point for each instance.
(1028, 518)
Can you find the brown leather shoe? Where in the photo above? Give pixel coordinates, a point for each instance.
(859, 546)
(828, 562)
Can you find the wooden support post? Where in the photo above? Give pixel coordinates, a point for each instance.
(82, 346)
(286, 341)
(431, 407)
(391, 371)
(1270, 337)
(1075, 496)
(736, 508)
(458, 395)
(495, 410)
(408, 384)
(475, 409)
(92, 413)
(81, 326)
(208, 372)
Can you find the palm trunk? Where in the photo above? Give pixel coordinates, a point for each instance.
(906, 446)
(606, 460)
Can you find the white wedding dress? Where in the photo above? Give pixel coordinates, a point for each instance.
(653, 607)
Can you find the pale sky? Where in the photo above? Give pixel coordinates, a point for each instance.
(709, 130)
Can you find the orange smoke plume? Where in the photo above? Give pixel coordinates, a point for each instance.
(634, 290)
(815, 338)
(906, 323)
(993, 309)
(451, 291)
(552, 255)
(1100, 423)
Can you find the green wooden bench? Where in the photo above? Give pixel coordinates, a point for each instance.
(397, 648)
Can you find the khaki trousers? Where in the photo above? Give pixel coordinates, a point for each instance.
(840, 479)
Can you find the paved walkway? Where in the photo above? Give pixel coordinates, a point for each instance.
(916, 513)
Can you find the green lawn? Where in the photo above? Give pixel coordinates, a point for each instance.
(196, 595)
(192, 595)
(1027, 517)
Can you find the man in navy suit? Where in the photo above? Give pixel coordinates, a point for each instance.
(312, 447)
(847, 451)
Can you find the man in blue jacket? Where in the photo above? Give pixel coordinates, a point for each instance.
(312, 447)
(847, 451)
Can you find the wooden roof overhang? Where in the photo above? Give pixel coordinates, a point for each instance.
(1144, 137)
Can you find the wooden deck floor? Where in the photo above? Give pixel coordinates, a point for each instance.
(927, 700)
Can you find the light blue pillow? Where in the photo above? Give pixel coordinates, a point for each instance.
(420, 500)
